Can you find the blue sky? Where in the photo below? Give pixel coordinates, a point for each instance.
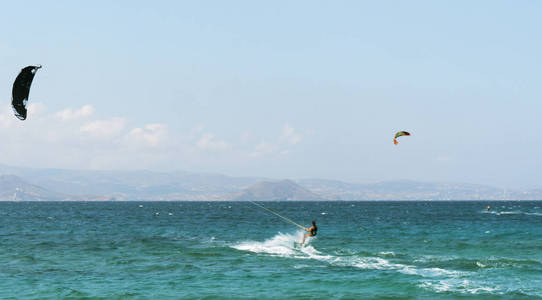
(281, 89)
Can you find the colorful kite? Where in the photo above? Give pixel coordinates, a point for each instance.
(398, 134)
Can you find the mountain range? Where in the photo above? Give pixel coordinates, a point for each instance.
(28, 184)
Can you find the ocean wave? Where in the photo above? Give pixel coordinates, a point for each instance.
(512, 212)
(477, 287)
(434, 273)
(283, 245)
(473, 264)
(462, 286)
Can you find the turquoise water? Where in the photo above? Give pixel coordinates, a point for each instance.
(364, 250)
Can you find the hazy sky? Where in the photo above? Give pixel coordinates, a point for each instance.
(283, 89)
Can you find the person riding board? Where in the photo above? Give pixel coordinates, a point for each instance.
(311, 232)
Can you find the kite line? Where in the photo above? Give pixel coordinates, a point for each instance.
(277, 214)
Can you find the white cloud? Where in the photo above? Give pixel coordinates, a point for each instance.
(246, 137)
(208, 142)
(6, 119)
(103, 128)
(289, 135)
(71, 114)
(264, 148)
(288, 138)
(35, 109)
(34, 112)
(111, 143)
(150, 135)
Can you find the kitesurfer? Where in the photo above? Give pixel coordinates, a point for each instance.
(311, 232)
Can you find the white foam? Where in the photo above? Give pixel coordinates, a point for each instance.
(462, 286)
(513, 212)
(367, 263)
(283, 245)
(301, 266)
(378, 263)
(435, 272)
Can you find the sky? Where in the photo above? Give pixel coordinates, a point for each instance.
(280, 89)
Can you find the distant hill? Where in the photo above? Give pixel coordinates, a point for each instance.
(13, 188)
(415, 190)
(134, 185)
(275, 191)
(90, 185)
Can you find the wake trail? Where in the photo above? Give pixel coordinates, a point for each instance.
(436, 279)
(512, 212)
(282, 245)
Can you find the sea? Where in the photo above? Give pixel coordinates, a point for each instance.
(237, 250)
